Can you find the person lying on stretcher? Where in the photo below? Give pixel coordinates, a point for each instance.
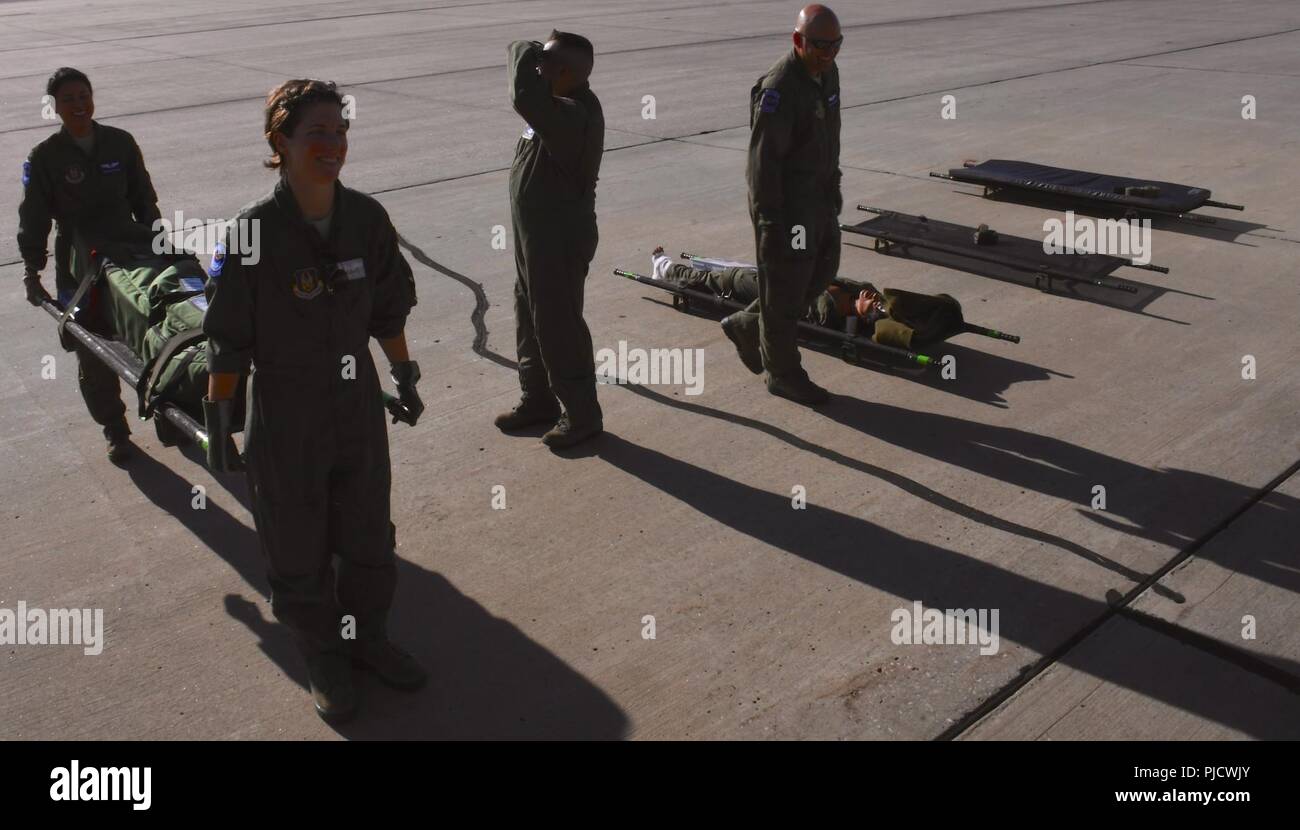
(892, 317)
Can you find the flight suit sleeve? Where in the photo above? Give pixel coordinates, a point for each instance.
(34, 219)
(228, 322)
(558, 122)
(771, 131)
(837, 175)
(140, 193)
(394, 286)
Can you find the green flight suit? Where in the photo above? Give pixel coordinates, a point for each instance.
(96, 199)
(916, 320)
(909, 319)
(793, 173)
(553, 212)
(316, 445)
(739, 284)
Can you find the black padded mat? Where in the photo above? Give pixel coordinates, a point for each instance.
(1095, 187)
(1013, 251)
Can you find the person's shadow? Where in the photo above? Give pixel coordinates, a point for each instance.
(489, 679)
(943, 501)
(1037, 616)
(1167, 506)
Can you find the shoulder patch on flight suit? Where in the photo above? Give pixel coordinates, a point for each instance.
(834, 100)
(769, 101)
(218, 260)
(27, 173)
(527, 135)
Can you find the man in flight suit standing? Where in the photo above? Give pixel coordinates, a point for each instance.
(91, 180)
(553, 211)
(794, 201)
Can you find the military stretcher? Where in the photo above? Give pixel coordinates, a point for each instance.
(894, 232)
(128, 366)
(151, 308)
(851, 347)
(1132, 197)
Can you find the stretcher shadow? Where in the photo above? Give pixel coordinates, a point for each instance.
(983, 377)
(489, 679)
(1136, 302)
(1047, 620)
(1223, 229)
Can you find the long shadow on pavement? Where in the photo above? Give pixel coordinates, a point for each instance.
(490, 680)
(1171, 507)
(1037, 616)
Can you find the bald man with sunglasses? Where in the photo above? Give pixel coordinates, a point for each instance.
(794, 202)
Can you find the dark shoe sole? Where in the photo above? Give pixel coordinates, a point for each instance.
(753, 363)
(335, 718)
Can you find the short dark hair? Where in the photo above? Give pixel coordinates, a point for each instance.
(578, 46)
(63, 75)
(284, 106)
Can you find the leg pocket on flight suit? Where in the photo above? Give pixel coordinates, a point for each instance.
(287, 466)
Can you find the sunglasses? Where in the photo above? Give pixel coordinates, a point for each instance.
(825, 45)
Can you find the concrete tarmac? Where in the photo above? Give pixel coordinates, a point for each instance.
(1171, 612)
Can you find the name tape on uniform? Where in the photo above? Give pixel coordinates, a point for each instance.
(354, 268)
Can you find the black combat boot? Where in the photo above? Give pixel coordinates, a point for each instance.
(797, 388)
(332, 689)
(528, 414)
(120, 448)
(389, 663)
(745, 341)
(566, 433)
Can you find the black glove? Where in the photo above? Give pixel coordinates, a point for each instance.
(222, 455)
(36, 293)
(406, 374)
